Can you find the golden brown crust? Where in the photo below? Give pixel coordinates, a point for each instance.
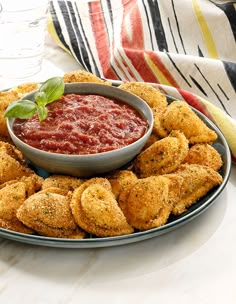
(175, 183)
(12, 196)
(32, 182)
(96, 210)
(15, 226)
(158, 128)
(147, 203)
(11, 169)
(152, 139)
(83, 76)
(204, 154)
(164, 156)
(120, 179)
(49, 214)
(6, 98)
(179, 116)
(55, 190)
(13, 166)
(68, 183)
(12, 151)
(25, 88)
(152, 96)
(198, 180)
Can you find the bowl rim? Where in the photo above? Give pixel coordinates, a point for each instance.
(10, 120)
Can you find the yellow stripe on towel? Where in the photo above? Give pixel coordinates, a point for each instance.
(226, 124)
(157, 72)
(209, 41)
(53, 33)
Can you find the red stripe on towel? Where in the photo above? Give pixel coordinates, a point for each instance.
(101, 39)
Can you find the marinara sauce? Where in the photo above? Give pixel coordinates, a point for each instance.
(83, 124)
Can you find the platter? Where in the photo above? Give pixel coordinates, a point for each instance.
(174, 222)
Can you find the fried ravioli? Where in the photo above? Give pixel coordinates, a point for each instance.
(96, 210)
(152, 96)
(33, 183)
(49, 214)
(15, 225)
(5, 99)
(164, 156)
(68, 183)
(12, 165)
(12, 196)
(198, 180)
(175, 183)
(25, 88)
(120, 179)
(204, 154)
(151, 140)
(147, 204)
(83, 76)
(179, 116)
(12, 151)
(11, 169)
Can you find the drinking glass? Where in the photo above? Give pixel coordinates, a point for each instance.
(22, 37)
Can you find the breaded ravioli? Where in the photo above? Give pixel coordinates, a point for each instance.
(12, 151)
(6, 98)
(33, 183)
(11, 169)
(179, 116)
(25, 88)
(96, 210)
(204, 154)
(49, 214)
(83, 76)
(12, 164)
(197, 181)
(68, 183)
(12, 196)
(151, 140)
(151, 95)
(164, 156)
(147, 204)
(120, 179)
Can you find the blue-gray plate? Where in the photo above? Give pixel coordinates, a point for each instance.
(174, 222)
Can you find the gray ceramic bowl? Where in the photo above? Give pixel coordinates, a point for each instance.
(93, 164)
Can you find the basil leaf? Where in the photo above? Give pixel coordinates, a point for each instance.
(41, 98)
(22, 109)
(50, 90)
(53, 88)
(42, 113)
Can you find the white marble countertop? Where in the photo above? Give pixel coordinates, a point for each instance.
(193, 264)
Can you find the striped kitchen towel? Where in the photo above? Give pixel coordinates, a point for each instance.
(187, 47)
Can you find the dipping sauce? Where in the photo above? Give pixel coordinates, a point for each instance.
(83, 124)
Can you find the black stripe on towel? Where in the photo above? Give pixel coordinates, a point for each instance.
(76, 42)
(57, 25)
(217, 96)
(157, 25)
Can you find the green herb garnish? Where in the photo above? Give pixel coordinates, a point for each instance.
(50, 90)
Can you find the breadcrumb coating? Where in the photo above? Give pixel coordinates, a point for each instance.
(204, 154)
(96, 210)
(83, 76)
(164, 156)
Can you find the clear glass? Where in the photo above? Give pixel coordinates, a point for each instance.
(22, 37)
